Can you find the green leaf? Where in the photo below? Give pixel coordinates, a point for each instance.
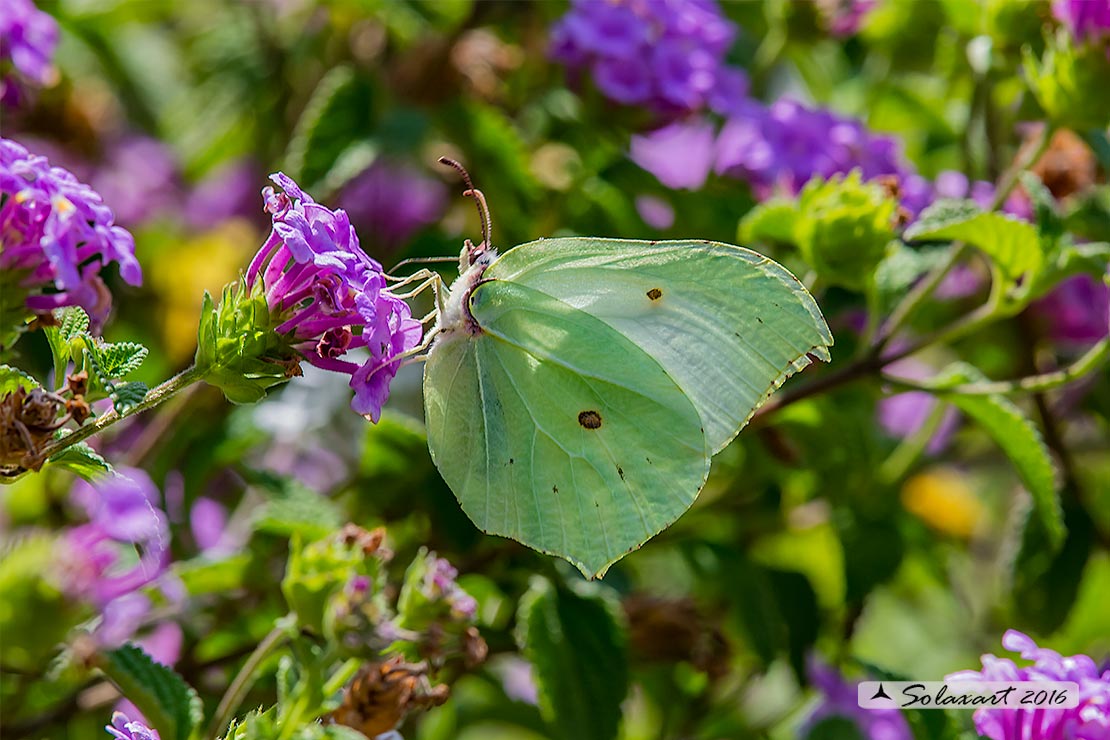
(1012, 244)
(1018, 438)
(337, 115)
(291, 507)
(127, 396)
(901, 268)
(577, 648)
(770, 222)
(75, 322)
(1047, 576)
(1048, 218)
(12, 378)
(170, 704)
(119, 359)
(83, 461)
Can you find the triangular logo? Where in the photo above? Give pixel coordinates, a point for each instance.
(881, 694)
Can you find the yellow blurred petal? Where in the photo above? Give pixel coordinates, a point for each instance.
(942, 498)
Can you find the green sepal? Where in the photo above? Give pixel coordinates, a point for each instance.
(318, 573)
(238, 350)
(1069, 82)
(844, 228)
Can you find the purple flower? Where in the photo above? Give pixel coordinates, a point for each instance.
(839, 699)
(391, 202)
(518, 681)
(139, 177)
(656, 212)
(844, 17)
(123, 505)
(680, 155)
(778, 148)
(903, 414)
(28, 38)
(122, 728)
(331, 297)
(57, 233)
(1086, 20)
(439, 583)
(1076, 312)
(1088, 721)
(664, 54)
(123, 548)
(208, 522)
(227, 192)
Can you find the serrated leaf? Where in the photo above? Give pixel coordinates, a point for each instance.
(770, 222)
(118, 359)
(1018, 438)
(336, 116)
(1012, 244)
(577, 648)
(902, 267)
(171, 705)
(292, 507)
(126, 396)
(75, 322)
(82, 460)
(12, 378)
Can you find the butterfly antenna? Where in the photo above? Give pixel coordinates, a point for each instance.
(479, 198)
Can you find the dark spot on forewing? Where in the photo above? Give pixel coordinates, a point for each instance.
(555, 490)
(620, 472)
(589, 419)
(655, 294)
(510, 461)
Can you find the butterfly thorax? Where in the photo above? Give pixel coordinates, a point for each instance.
(455, 317)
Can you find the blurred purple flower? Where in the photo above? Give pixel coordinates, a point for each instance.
(227, 192)
(390, 202)
(517, 680)
(1076, 312)
(28, 38)
(58, 233)
(1088, 721)
(163, 643)
(1086, 20)
(123, 505)
(332, 297)
(439, 583)
(665, 54)
(139, 178)
(208, 522)
(903, 414)
(838, 699)
(656, 212)
(124, 547)
(122, 728)
(680, 155)
(844, 17)
(778, 148)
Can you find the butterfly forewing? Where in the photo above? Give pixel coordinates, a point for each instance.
(727, 324)
(554, 429)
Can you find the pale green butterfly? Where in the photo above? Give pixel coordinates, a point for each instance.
(576, 388)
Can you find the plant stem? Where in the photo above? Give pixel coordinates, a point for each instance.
(231, 700)
(1090, 361)
(898, 464)
(924, 289)
(154, 397)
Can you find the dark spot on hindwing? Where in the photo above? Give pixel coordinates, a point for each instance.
(590, 419)
(555, 490)
(620, 472)
(655, 294)
(510, 461)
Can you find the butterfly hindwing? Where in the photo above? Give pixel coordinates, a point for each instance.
(555, 430)
(727, 324)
